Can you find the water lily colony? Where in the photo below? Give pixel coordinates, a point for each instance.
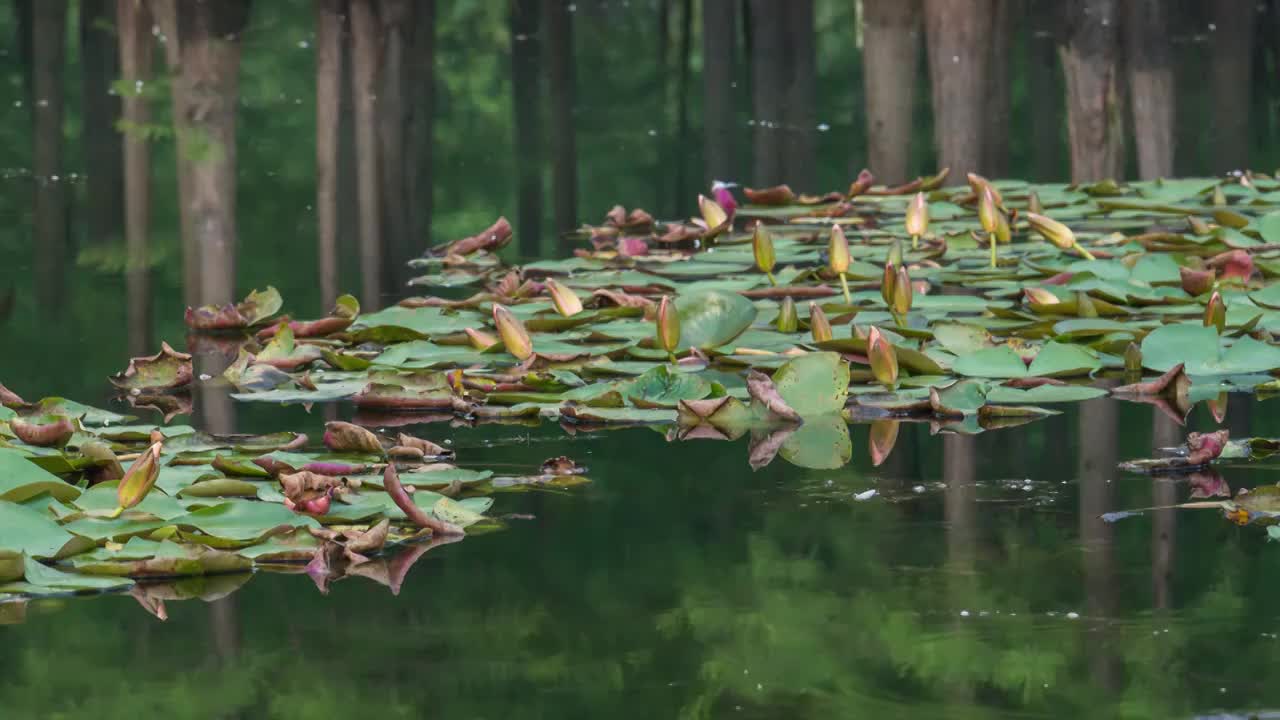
(777, 316)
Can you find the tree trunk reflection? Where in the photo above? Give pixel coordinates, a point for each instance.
(52, 251)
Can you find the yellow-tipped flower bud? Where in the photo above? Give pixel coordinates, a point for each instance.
(838, 250)
(1040, 296)
(668, 322)
(139, 478)
(762, 248)
(564, 298)
(788, 319)
(917, 216)
(480, 339)
(902, 292)
(513, 333)
(1215, 312)
(988, 212)
(1033, 203)
(818, 323)
(712, 214)
(883, 359)
(1052, 230)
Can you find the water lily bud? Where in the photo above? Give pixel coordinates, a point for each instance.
(1219, 197)
(902, 292)
(712, 214)
(1198, 226)
(139, 478)
(887, 282)
(978, 184)
(724, 197)
(1085, 306)
(987, 210)
(883, 359)
(1004, 233)
(838, 250)
(1215, 312)
(513, 333)
(762, 248)
(1133, 359)
(881, 438)
(668, 322)
(818, 323)
(1052, 230)
(1040, 296)
(480, 340)
(566, 300)
(788, 319)
(917, 215)
(1033, 203)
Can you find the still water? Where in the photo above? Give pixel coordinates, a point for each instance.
(978, 579)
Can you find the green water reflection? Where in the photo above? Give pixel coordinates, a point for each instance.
(978, 582)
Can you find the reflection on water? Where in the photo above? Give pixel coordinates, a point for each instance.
(977, 580)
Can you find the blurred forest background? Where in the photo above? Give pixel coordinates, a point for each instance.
(161, 152)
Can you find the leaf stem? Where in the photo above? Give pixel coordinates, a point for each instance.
(1087, 255)
(771, 280)
(992, 237)
(844, 286)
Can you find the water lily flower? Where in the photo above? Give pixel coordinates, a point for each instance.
(762, 248)
(1056, 233)
(917, 218)
(788, 320)
(713, 215)
(513, 333)
(566, 301)
(883, 359)
(818, 323)
(668, 322)
(1215, 312)
(838, 258)
(724, 196)
(139, 478)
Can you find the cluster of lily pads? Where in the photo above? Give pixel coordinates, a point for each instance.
(91, 502)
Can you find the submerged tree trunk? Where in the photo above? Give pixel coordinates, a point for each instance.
(891, 33)
(422, 121)
(100, 110)
(959, 36)
(560, 81)
(365, 53)
(1091, 63)
(133, 23)
(768, 61)
(208, 80)
(1149, 60)
(1230, 80)
(329, 22)
(719, 33)
(393, 117)
(48, 42)
(799, 113)
(1098, 432)
(1164, 522)
(528, 132)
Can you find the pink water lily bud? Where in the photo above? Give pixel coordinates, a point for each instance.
(140, 477)
(881, 438)
(724, 197)
(917, 216)
(902, 292)
(668, 322)
(1215, 312)
(513, 333)
(480, 340)
(883, 359)
(565, 299)
(988, 212)
(1040, 296)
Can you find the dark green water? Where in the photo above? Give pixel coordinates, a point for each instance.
(977, 582)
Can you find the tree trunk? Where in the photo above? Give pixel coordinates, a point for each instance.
(995, 143)
(890, 60)
(1091, 63)
(208, 80)
(719, 27)
(564, 148)
(165, 13)
(768, 61)
(329, 22)
(100, 110)
(422, 121)
(1230, 80)
(366, 51)
(393, 117)
(528, 132)
(1149, 61)
(24, 20)
(49, 21)
(133, 24)
(1044, 91)
(959, 36)
(680, 157)
(799, 113)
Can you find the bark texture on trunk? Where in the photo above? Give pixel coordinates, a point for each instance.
(891, 31)
(1091, 63)
(366, 50)
(330, 16)
(393, 118)
(133, 24)
(768, 59)
(48, 41)
(99, 63)
(422, 121)
(1044, 91)
(680, 188)
(1231, 77)
(719, 33)
(208, 81)
(959, 36)
(1149, 60)
(995, 142)
(799, 112)
(526, 96)
(561, 91)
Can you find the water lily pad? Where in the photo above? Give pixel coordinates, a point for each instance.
(711, 318)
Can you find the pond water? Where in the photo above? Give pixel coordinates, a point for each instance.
(965, 576)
